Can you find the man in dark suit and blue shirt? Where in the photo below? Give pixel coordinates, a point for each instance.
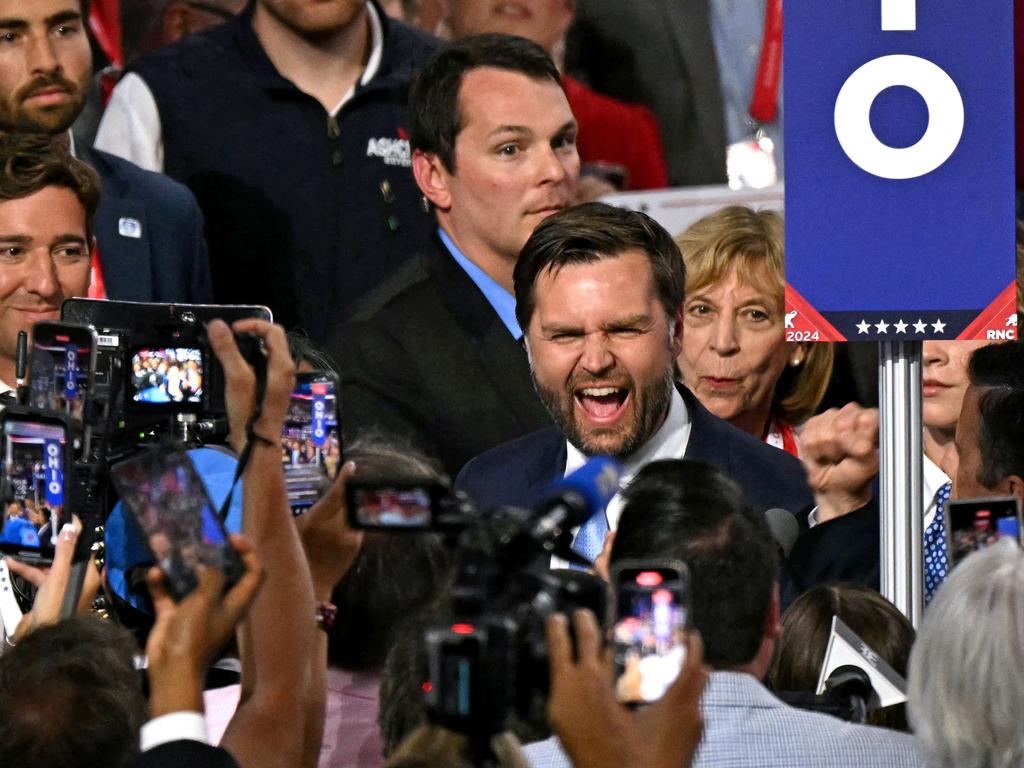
(599, 294)
(434, 356)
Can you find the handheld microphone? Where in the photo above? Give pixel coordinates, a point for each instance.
(577, 497)
(784, 529)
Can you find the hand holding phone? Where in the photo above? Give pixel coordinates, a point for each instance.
(311, 438)
(35, 497)
(165, 497)
(652, 609)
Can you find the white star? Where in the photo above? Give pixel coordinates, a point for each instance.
(919, 327)
(939, 326)
(882, 327)
(863, 327)
(900, 327)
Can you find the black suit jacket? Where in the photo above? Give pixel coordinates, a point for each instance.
(520, 473)
(846, 549)
(428, 360)
(167, 262)
(185, 754)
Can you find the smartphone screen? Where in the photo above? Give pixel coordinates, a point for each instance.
(61, 367)
(166, 498)
(973, 524)
(393, 506)
(651, 614)
(166, 376)
(311, 439)
(35, 452)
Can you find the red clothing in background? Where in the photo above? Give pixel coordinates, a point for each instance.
(612, 131)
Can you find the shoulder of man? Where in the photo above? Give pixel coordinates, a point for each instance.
(201, 54)
(123, 177)
(406, 48)
(515, 473)
(767, 474)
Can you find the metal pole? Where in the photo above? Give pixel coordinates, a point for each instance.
(901, 516)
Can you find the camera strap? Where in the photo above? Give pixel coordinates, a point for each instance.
(250, 437)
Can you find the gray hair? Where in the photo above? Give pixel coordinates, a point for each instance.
(966, 694)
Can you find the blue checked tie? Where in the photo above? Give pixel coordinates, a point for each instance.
(935, 562)
(590, 537)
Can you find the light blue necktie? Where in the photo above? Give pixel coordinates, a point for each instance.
(936, 563)
(590, 537)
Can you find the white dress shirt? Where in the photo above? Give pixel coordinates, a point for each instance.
(669, 442)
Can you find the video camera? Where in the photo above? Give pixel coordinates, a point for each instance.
(154, 367)
(489, 663)
(108, 378)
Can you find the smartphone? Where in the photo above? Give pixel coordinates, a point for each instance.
(394, 506)
(652, 601)
(36, 502)
(973, 524)
(62, 364)
(165, 497)
(311, 438)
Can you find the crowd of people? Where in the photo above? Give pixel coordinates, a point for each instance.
(415, 186)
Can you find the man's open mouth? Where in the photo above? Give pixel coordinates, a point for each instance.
(602, 404)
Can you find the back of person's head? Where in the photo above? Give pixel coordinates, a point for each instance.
(588, 233)
(965, 697)
(997, 372)
(29, 163)
(806, 627)
(430, 746)
(393, 575)
(435, 119)
(693, 512)
(70, 697)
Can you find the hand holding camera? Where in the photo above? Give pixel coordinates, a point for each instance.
(246, 410)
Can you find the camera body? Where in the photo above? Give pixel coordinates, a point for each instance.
(488, 663)
(153, 362)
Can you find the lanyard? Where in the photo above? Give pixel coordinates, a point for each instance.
(764, 103)
(97, 290)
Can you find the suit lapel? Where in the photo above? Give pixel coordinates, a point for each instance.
(124, 257)
(706, 441)
(502, 359)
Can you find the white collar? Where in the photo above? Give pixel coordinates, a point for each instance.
(669, 442)
(376, 53)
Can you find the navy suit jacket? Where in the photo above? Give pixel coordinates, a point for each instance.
(167, 262)
(521, 472)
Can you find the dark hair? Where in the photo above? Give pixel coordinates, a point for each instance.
(435, 118)
(998, 370)
(31, 162)
(806, 627)
(590, 232)
(392, 576)
(691, 511)
(70, 697)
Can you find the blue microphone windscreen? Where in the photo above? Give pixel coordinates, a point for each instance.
(597, 482)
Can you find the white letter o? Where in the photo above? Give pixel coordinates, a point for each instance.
(853, 117)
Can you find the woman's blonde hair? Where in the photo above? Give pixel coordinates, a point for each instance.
(754, 243)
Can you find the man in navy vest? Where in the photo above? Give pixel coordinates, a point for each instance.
(288, 123)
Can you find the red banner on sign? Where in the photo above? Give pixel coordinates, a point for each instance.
(998, 321)
(804, 322)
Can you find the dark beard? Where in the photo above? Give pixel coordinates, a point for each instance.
(651, 404)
